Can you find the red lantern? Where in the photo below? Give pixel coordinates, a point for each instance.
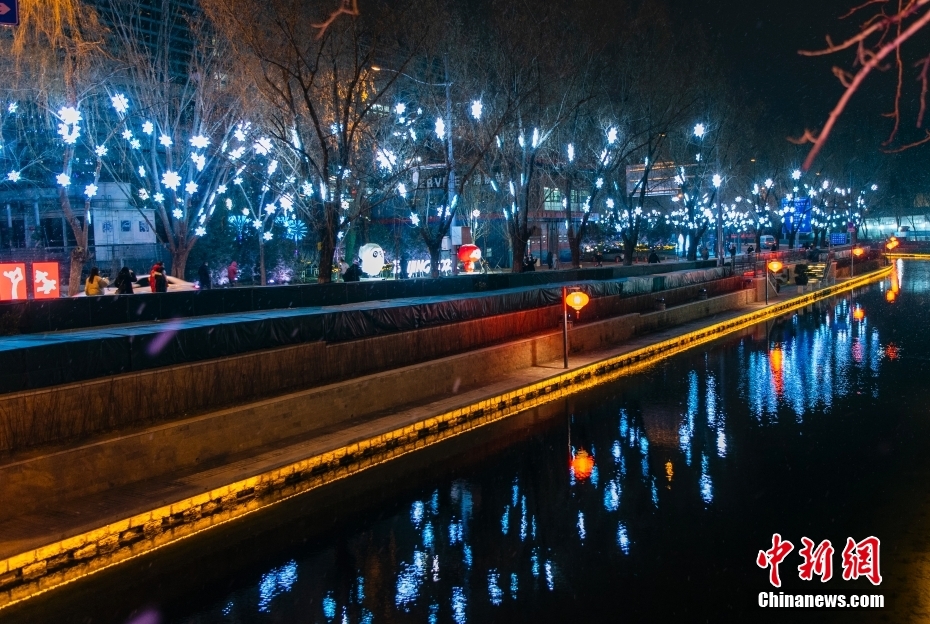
(577, 300)
(858, 251)
(468, 256)
(859, 314)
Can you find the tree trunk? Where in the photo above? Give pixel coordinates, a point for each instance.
(792, 236)
(517, 251)
(179, 261)
(435, 251)
(574, 243)
(629, 249)
(327, 247)
(692, 237)
(78, 258)
(261, 259)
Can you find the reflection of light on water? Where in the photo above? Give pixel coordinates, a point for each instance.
(455, 533)
(458, 605)
(655, 493)
(434, 503)
(515, 493)
(550, 580)
(505, 520)
(612, 496)
(623, 540)
(711, 400)
(615, 450)
(580, 525)
(433, 614)
(523, 518)
(278, 581)
(513, 585)
(721, 443)
(409, 580)
(534, 562)
(435, 568)
(707, 487)
(494, 590)
(428, 535)
(329, 606)
(416, 513)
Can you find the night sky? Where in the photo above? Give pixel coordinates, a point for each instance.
(758, 42)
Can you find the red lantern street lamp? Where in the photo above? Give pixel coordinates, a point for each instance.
(774, 266)
(576, 300)
(856, 253)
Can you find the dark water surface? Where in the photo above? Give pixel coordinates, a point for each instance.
(816, 425)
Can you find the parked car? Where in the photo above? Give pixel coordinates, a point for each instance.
(766, 242)
(609, 253)
(142, 286)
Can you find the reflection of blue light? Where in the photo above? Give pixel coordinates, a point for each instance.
(594, 476)
(581, 531)
(434, 503)
(494, 590)
(655, 493)
(645, 466)
(623, 540)
(643, 445)
(329, 606)
(615, 450)
(228, 608)
(707, 487)
(428, 535)
(515, 494)
(467, 555)
(416, 513)
(623, 465)
(435, 568)
(367, 616)
(278, 581)
(409, 580)
(711, 400)
(534, 563)
(550, 580)
(533, 527)
(458, 605)
(721, 443)
(612, 496)
(513, 585)
(523, 518)
(433, 614)
(624, 425)
(455, 532)
(692, 396)
(505, 520)
(360, 591)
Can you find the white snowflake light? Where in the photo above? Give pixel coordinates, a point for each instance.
(571, 152)
(101, 150)
(717, 180)
(159, 197)
(257, 224)
(440, 128)
(14, 176)
(400, 108)
(237, 153)
(699, 130)
(414, 219)
(135, 144)
(200, 161)
(120, 103)
(263, 146)
(610, 203)
(221, 189)
(177, 213)
(200, 231)
(599, 183)
(267, 236)
(127, 134)
(63, 179)
(238, 180)
(191, 187)
(476, 109)
(386, 159)
(306, 188)
(200, 141)
(796, 174)
(143, 194)
(171, 180)
(272, 167)
(90, 190)
(148, 127)
(11, 108)
(141, 171)
(402, 190)
(165, 140)
(270, 209)
(69, 115)
(611, 136)
(287, 202)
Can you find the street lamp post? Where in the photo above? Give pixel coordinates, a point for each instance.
(576, 300)
(856, 252)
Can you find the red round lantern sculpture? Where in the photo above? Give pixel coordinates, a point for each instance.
(468, 256)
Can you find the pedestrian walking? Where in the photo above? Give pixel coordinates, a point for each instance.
(124, 280)
(733, 252)
(203, 275)
(232, 272)
(95, 285)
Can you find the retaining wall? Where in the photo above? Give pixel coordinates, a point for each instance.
(203, 441)
(80, 409)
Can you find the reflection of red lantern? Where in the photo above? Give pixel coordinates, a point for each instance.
(577, 300)
(468, 256)
(890, 296)
(859, 314)
(582, 465)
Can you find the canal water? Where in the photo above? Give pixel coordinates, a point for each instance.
(647, 500)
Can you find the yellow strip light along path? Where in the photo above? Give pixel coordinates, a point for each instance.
(33, 572)
(908, 256)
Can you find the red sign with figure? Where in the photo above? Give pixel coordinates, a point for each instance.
(12, 282)
(45, 282)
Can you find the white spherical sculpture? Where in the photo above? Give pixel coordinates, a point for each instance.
(372, 258)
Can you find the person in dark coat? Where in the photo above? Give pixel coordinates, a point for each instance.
(653, 257)
(124, 280)
(353, 273)
(157, 278)
(203, 276)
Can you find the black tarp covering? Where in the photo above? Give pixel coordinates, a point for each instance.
(36, 316)
(42, 360)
